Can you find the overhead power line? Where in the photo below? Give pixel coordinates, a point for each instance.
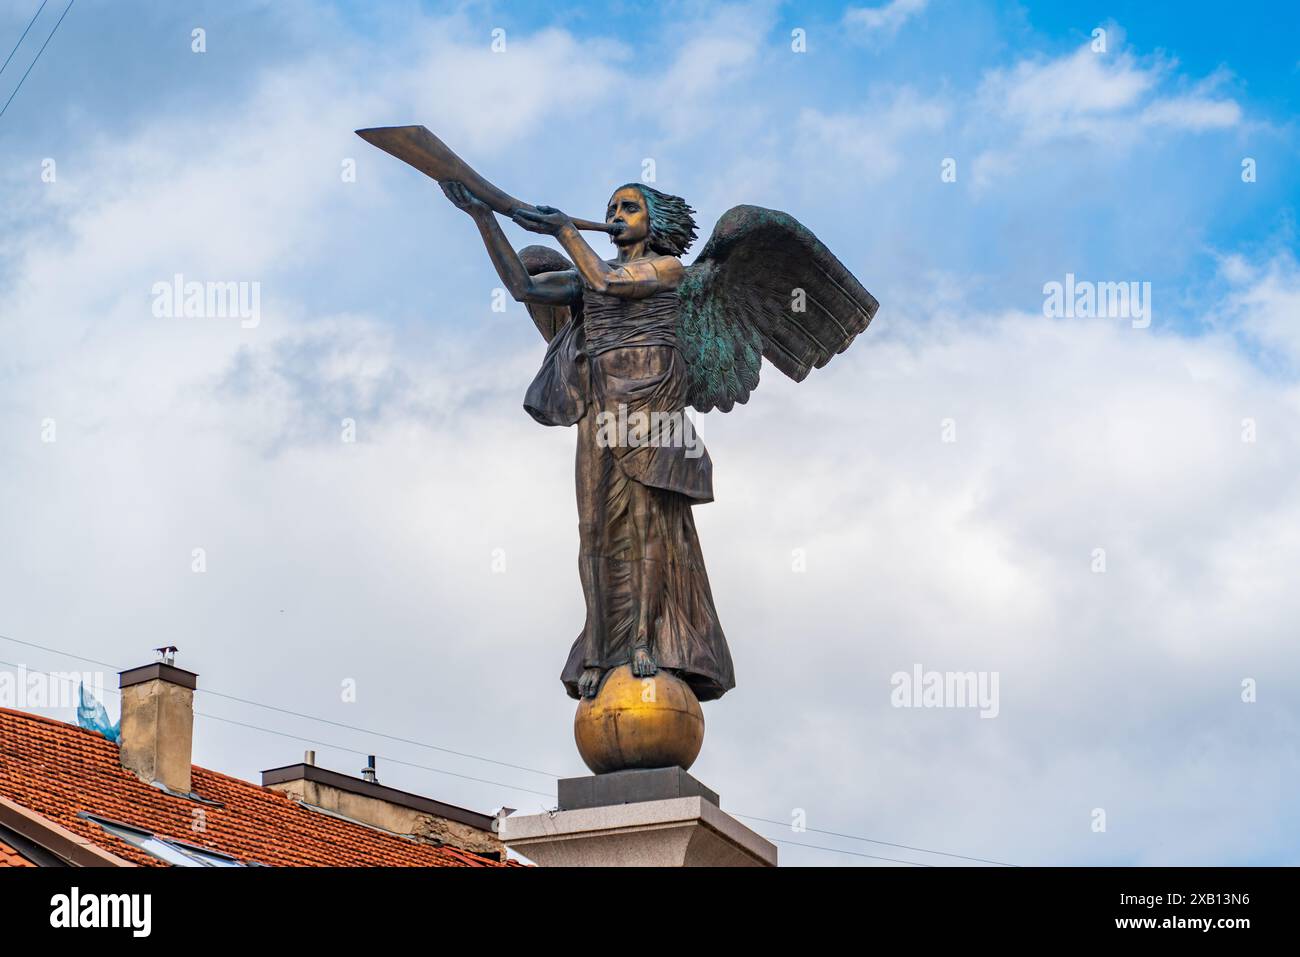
(315, 741)
(379, 734)
(398, 761)
(838, 850)
(38, 54)
(868, 840)
(381, 757)
(24, 36)
(299, 714)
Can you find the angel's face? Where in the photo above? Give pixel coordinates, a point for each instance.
(627, 206)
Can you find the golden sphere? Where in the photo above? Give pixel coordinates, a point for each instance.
(639, 723)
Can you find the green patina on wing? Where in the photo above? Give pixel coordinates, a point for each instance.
(722, 355)
(763, 285)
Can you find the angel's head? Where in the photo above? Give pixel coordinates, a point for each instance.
(663, 221)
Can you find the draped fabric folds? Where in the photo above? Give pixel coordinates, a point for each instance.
(642, 571)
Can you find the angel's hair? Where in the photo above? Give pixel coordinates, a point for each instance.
(672, 227)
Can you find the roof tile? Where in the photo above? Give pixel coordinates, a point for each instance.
(62, 771)
(11, 858)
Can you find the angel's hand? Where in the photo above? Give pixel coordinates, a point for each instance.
(462, 198)
(542, 219)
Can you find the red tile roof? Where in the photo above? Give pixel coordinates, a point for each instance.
(60, 770)
(11, 858)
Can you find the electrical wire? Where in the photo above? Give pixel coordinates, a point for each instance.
(30, 24)
(398, 761)
(38, 55)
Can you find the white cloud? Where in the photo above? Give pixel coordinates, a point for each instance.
(538, 78)
(1193, 113)
(1067, 95)
(372, 561)
(1111, 99)
(1264, 304)
(1097, 95)
(886, 20)
(713, 55)
(874, 139)
(1087, 107)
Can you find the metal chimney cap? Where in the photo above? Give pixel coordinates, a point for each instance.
(157, 671)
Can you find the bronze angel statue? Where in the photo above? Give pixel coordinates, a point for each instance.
(638, 339)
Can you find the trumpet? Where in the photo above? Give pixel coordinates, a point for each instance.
(416, 146)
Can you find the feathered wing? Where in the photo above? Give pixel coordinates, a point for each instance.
(548, 319)
(764, 285)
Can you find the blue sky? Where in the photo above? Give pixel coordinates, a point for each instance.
(1173, 202)
(372, 561)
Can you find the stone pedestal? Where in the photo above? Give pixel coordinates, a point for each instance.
(658, 818)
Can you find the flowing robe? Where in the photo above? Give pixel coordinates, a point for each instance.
(618, 364)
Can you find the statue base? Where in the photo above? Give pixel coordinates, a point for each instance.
(630, 787)
(659, 817)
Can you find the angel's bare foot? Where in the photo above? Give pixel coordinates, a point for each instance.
(643, 666)
(589, 682)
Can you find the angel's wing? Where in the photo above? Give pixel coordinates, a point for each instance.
(764, 286)
(548, 319)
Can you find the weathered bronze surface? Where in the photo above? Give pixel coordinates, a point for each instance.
(639, 723)
(631, 343)
(418, 147)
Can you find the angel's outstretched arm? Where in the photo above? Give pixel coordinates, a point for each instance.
(548, 288)
(631, 280)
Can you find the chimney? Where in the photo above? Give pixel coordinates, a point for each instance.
(158, 722)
